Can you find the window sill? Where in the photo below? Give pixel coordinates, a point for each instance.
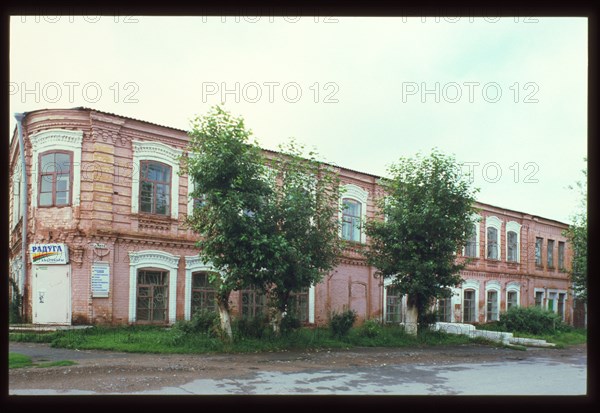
(54, 206)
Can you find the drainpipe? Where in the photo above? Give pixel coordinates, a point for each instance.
(20, 117)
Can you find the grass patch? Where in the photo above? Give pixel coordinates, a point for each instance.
(18, 360)
(563, 337)
(161, 340)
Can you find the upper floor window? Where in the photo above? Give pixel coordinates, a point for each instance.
(493, 225)
(511, 246)
(550, 255)
(538, 251)
(492, 243)
(472, 245)
(351, 220)
(55, 178)
(561, 255)
(155, 187)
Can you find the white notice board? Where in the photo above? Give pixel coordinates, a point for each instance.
(100, 279)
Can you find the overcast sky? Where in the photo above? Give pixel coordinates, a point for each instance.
(507, 97)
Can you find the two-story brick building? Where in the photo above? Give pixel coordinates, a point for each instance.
(105, 239)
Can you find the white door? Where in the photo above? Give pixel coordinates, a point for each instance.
(51, 294)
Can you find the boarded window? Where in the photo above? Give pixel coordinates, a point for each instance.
(152, 296)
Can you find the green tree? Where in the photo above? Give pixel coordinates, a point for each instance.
(425, 218)
(577, 237)
(304, 208)
(227, 171)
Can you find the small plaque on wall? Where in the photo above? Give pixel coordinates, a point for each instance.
(100, 279)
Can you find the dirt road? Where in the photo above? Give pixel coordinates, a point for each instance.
(110, 372)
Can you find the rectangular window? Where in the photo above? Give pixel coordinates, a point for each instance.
(55, 179)
(511, 300)
(444, 313)
(492, 305)
(561, 255)
(351, 225)
(492, 243)
(152, 296)
(471, 247)
(298, 305)
(538, 251)
(393, 305)
(512, 246)
(254, 303)
(203, 294)
(469, 306)
(155, 187)
(551, 301)
(539, 299)
(550, 253)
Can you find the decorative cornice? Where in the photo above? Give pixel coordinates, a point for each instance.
(159, 149)
(153, 257)
(56, 137)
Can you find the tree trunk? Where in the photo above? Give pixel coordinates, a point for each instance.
(412, 316)
(224, 316)
(275, 319)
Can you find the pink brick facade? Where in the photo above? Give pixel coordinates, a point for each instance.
(103, 223)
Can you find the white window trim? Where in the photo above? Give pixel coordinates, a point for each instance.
(190, 203)
(16, 212)
(153, 259)
(515, 227)
(311, 304)
(494, 222)
(159, 152)
(360, 195)
(56, 140)
(543, 291)
(513, 287)
(556, 292)
(493, 286)
(469, 285)
(476, 222)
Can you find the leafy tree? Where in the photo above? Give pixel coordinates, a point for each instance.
(304, 208)
(427, 217)
(577, 237)
(227, 171)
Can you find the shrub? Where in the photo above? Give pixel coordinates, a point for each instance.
(532, 320)
(254, 327)
(341, 323)
(206, 322)
(370, 328)
(290, 323)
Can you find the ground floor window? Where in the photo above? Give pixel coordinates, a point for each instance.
(393, 305)
(551, 301)
(469, 306)
(203, 294)
(254, 303)
(298, 305)
(511, 300)
(152, 296)
(539, 298)
(492, 305)
(444, 310)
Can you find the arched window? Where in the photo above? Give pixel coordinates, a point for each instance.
(351, 220)
(513, 241)
(152, 303)
(492, 239)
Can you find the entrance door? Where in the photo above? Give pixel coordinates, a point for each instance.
(51, 294)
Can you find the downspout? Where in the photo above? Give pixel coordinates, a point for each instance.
(20, 117)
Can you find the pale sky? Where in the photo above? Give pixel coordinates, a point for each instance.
(507, 97)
